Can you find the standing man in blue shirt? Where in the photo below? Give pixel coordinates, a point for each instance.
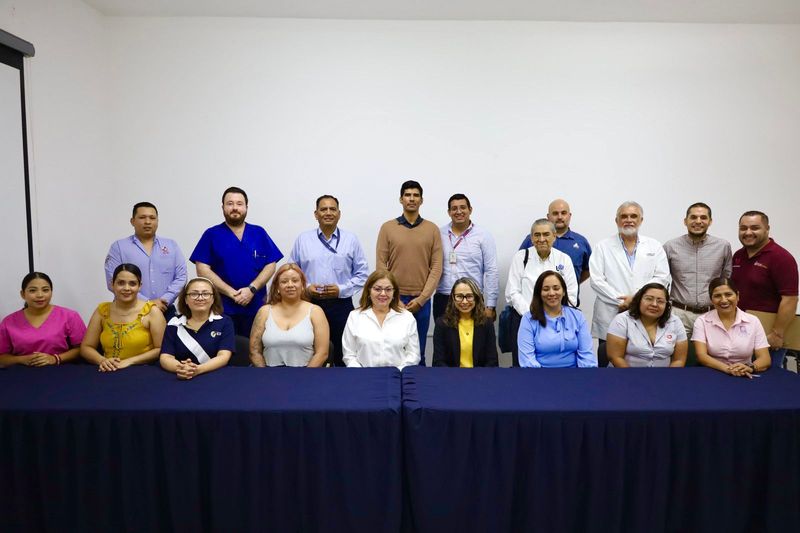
(239, 259)
(469, 251)
(160, 259)
(573, 244)
(335, 267)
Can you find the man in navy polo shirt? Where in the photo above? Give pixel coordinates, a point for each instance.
(573, 244)
(239, 259)
(766, 275)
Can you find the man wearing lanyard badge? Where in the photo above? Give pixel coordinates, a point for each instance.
(239, 259)
(469, 251)
(335, 266)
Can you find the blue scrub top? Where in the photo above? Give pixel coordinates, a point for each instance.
(237, 262)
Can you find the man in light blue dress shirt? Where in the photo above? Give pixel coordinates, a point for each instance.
(335, 267)
(160, 259)
(469, 251)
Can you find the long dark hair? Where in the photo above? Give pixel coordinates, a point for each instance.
(636, 303)
(537, 305)
(451, 312)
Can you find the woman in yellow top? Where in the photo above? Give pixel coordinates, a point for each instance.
(464, 335)
(129, 329)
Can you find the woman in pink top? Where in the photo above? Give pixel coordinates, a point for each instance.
(727, 338)
(40, 334)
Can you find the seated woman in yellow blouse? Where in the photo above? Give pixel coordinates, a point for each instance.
(464, 335)
(129, 329)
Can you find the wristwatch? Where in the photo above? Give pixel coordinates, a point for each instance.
(253, 289)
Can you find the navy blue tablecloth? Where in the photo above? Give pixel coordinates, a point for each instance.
(240, 449)
(598, 450)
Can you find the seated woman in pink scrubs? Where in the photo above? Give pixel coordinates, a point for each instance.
(727, 338)
(40, 334)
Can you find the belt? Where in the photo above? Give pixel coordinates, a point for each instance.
(691, 309)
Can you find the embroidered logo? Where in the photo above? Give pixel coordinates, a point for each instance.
(761, 265)
(215, 334)
(164, 250)
(576, 246)
(559, 267)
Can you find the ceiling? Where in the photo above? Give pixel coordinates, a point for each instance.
(704, 11)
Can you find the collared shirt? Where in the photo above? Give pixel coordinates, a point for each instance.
(765, 277)
(574, 245)
(640, 352)
(476, 258)
(729, 346)
(403, 221)
(565, 341)
(237, 262)
(631, 256)
(612, 277)
(163, 270)
(519, 286)
(367, 343)
(347, 268)
(694, 264)
(214, 335)
(413, 254)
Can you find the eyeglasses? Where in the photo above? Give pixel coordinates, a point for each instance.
(651, 299)
(199, 295)
(385, 290)
(461, 297)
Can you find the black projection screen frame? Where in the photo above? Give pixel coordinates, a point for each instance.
(12, 51)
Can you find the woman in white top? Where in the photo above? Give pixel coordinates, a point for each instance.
(289, 330)
(647, 335)
(380, 332)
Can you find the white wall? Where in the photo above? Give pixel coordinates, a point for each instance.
(68, 143)
(512, 114)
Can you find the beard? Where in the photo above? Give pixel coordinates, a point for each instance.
(628, 232)
(234, 221)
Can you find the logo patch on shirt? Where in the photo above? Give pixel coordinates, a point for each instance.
(164, 250)
(576, 245)
(559, 267)
(215, 334)
(761, 265)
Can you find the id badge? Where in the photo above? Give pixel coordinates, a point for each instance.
(452, 257)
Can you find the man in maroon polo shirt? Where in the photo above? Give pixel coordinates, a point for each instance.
(766, 275)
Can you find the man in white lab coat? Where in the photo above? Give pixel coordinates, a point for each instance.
(620, 266)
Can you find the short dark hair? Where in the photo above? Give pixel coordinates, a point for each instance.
(763, 216)
(537, 305)
(719, 282)
(127, 267)
(327, 197)
(142, 204)
(458, 196)
(410, 184)
(699, 204)
(636, 302)
(36, 275)
(235, 190)
(183, 307)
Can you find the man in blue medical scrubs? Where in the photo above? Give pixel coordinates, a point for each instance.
(239, 258)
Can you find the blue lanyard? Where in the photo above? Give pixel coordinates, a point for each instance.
(325, 243)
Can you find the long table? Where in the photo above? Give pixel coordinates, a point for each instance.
(656, 450)
(240, 449)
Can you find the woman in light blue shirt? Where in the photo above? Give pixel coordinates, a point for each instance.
(553, 334)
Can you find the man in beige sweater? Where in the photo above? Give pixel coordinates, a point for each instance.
(411, 249)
